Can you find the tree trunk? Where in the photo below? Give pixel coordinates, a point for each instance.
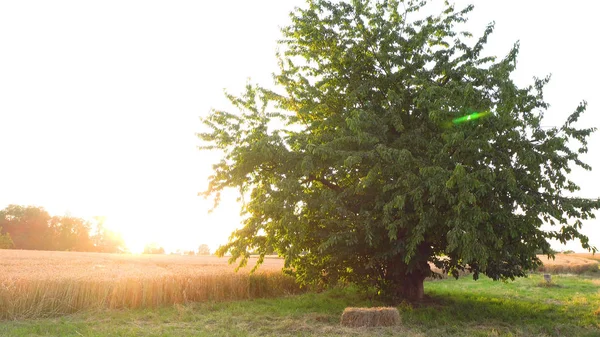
(412, 287)
(404, 284)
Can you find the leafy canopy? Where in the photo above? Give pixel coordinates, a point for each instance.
(353, 170)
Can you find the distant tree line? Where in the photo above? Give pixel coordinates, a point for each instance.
(154, 248)
(33, 228)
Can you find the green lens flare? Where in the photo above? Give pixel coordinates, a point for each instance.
(470, 117)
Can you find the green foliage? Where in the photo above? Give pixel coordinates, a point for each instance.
(71, 233)
(27, 226)
(353, 171)
(5, 241)
(31, 227)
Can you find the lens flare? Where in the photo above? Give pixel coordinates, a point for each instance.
(470, 117)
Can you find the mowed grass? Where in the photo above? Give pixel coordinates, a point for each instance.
(37, 284)
(524, 307)
(453, 308)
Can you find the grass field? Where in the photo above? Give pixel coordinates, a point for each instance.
(90, 294)
(454, 308)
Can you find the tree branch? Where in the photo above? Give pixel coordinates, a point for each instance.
(329, 184)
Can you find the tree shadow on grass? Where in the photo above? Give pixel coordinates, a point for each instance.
(544, 316)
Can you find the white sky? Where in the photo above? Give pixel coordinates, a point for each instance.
(99, 101)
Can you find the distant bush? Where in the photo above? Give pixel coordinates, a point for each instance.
(6, 241)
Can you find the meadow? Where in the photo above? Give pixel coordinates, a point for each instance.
(91, 294)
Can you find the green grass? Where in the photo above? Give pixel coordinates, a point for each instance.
(453, 308)
(525, 307)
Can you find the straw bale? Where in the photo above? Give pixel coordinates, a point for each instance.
(370, 317)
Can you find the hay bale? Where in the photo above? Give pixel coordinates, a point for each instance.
(369, 317)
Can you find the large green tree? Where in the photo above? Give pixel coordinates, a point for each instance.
(353, 169)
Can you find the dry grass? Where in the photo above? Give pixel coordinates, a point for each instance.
(41, 284)
(370, 317)
(567, 264)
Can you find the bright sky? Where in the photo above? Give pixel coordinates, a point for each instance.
(100, 100)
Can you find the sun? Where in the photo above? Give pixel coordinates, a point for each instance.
(174, 230)
(135, 238)
(134, 245)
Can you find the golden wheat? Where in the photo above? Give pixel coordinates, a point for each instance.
(589, 256)
(567, 264)
(40, 284)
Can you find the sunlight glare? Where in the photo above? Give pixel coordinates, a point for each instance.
(135, 239)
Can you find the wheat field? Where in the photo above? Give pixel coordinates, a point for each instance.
(37, 284)
(569, 264)
(43, 283)
(587, 255)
